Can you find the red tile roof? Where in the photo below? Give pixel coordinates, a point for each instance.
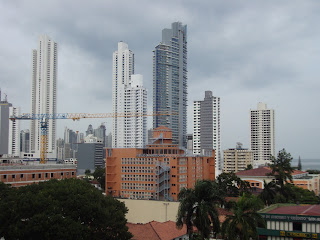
(261, 172)
(156, 231)
(311, 210)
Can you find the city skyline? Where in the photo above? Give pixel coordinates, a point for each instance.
(244, 52)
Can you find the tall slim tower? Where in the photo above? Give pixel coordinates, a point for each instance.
(4, 124)
(206, 127)
(170, 82)
(128, 95)
(44, 92)
(14, 133)
(262, 134)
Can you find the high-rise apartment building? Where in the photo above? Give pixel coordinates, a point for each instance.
(237, 159)
(206, 127)
(170, 82)
(44, 93)
(262, 134)
(14, 133)
(128, 96)
(25, 141)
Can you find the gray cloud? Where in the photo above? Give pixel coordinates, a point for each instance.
(244, 51)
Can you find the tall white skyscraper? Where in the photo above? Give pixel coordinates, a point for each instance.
(44, 93)
(128, 95)
(206, 127)
(14, 133)
(262, 134)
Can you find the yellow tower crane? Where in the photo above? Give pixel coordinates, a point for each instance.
(74, 116)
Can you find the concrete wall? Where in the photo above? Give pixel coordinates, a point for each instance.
(144, 211)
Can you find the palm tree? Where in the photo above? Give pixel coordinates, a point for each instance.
(269, 192)
(198, 209)
(245, 219)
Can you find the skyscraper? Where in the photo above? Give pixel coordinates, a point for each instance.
(44, 93)
(14, 133)
(128, 96)
(170, 82)
(206, 127)
(4, 125)
(262, 134)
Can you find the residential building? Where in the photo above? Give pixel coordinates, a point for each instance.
(158, 171)
(206, 127)
(170, 82)
(257, 176)
(21, 175)
(90, 154)
(190, 142)
(25, 141)
(128, 97)
(284, 221)
(262, 134)
(14, 133)
(44, 93)
(237, 159)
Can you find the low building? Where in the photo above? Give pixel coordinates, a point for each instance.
(302, 179)
(157, 172)
(237, 159)
(285, 221)
(21, 175)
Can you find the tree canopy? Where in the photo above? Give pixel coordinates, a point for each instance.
(66, 209)
(231, 185)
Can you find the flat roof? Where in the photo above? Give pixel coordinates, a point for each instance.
(37, 167)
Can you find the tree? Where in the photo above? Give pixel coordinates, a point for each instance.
(245, 219)
(231, 185)
(269, 192)
(281, 168)
(66, 209)
(100, 175)
(198, 208)
(299, 164)
(249, 167)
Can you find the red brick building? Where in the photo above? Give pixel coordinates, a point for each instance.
(158, 171)
(21, 175)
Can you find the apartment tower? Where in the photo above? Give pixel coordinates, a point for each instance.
(128, 96)
(44, 93)
(170, 82)
(206, 127)
(262, 134)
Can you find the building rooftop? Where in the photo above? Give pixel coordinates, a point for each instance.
(37, 167)
(156, 230)
(263, 171)
(311, 210)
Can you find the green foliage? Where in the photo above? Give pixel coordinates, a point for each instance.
(281, 168)
(245, 219)
(231, 185)
(269, 192)
(66, 209)
(249, 167)
(313, 171)
(87, 172)
(100, 175)
(198, 208)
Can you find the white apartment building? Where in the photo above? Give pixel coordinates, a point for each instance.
(44, 93)
(262, 134)
(206, 128)
(128, 96)
(14, 133)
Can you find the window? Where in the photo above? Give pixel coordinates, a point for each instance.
(13, 176)
(46, 175)
(61, 173)
(39, 175)
(33, 175)
(51, 175)
(297, 226)
(21, 175)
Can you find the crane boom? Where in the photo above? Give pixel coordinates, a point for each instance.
(76, 116)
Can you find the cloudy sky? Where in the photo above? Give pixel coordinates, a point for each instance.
(243, 51)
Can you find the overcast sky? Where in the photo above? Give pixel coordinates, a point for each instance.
(245, 52)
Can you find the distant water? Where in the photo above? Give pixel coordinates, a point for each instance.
(312, 164)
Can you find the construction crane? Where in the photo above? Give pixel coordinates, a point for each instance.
(74, 116)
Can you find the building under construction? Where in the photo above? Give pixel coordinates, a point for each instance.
(157, 172)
